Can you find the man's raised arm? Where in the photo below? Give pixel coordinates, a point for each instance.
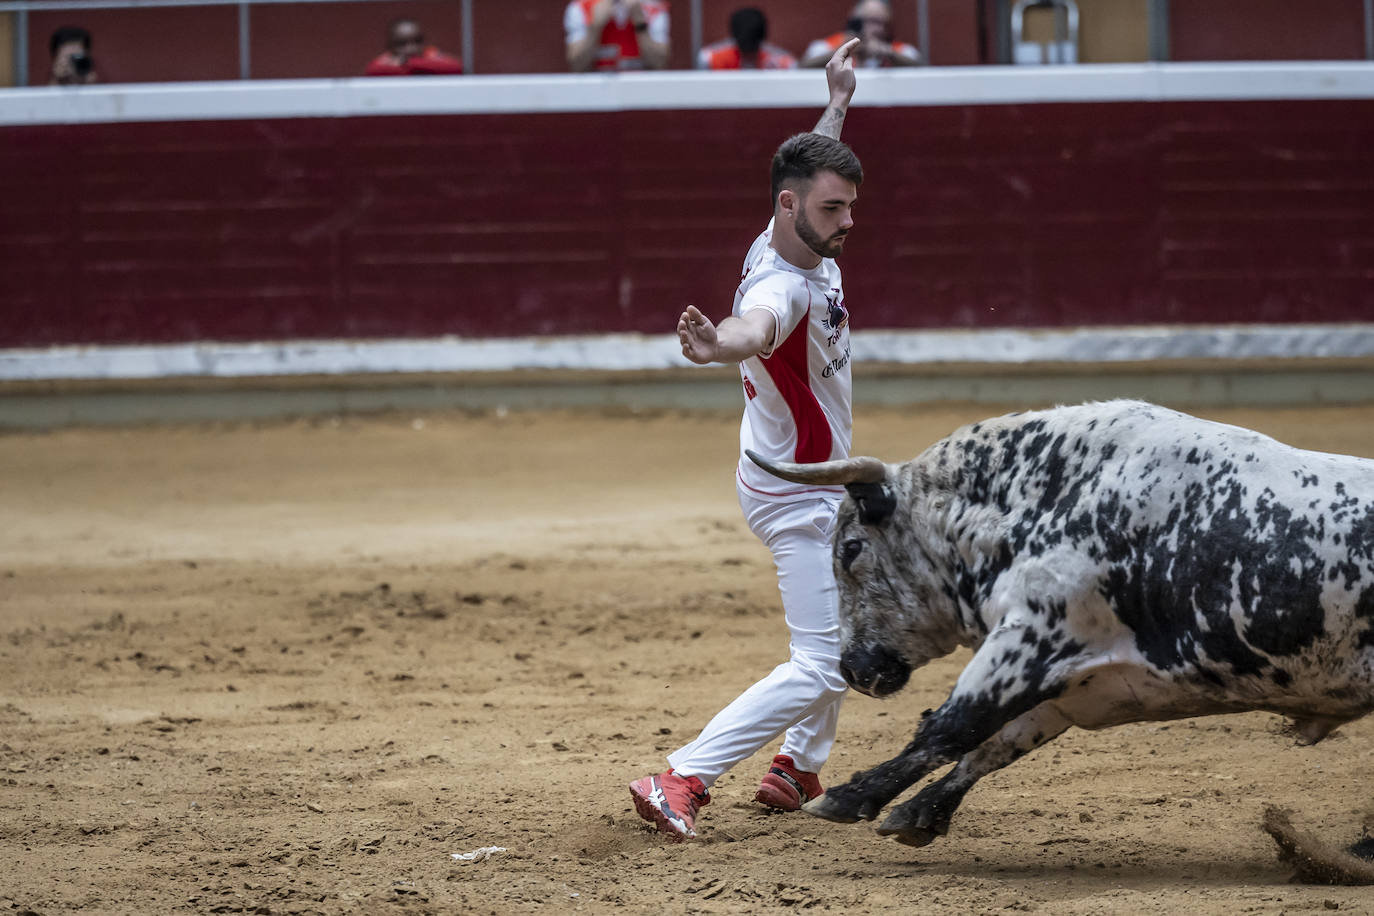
(839, 76)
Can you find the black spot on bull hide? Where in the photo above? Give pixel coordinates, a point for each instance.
(1218, 556)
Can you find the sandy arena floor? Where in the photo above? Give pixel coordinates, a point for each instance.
(294, 667)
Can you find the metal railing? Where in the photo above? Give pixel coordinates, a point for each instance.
(1157, 25)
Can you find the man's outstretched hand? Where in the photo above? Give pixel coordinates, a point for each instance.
(697, 335)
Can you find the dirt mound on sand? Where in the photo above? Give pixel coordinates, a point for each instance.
(1315, 860)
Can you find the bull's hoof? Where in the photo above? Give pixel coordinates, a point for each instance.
(841, 806)
(919, 831)
(911, 836)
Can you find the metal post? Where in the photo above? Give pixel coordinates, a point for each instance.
(469, 61)
(1004, 36)
(1369, 29)
(1158, 12)
(923, 29)
(696, 33)
(21, 48)
(245, 43)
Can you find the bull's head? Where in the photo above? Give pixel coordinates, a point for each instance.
(875, 607)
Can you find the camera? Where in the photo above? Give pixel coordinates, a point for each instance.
(81, 64)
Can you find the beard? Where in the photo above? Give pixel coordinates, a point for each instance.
(826, 248)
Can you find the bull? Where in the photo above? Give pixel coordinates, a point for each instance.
(1108, 563)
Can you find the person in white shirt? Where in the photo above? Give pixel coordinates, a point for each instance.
(610, 35)
(789, 333)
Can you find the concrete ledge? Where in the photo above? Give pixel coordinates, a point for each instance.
(989, 350)
(680, 90)
(54, 404)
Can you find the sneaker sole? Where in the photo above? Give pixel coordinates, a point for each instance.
(652, 813)
(775, 793)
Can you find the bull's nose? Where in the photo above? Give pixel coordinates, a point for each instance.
(874, 670)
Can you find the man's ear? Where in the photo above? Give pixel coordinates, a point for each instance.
(789, 201)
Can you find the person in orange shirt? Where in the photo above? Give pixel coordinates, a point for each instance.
(407, 55)
(871, 21)
(746, 48)
(616, 34)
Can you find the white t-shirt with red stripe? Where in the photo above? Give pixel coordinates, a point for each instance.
(798, 391)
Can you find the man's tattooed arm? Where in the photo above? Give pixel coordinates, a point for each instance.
(839, 76)
(832, 120)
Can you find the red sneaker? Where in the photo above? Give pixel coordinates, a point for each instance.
(787, 787)
(671, 802)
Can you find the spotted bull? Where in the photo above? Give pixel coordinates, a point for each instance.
(1109, 563)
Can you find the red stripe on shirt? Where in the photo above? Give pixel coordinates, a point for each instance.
(790, 371)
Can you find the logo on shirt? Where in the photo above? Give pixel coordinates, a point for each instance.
(837, 316)
(836, 364)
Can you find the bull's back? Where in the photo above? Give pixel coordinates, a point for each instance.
(1243, 562)
(1237, 563)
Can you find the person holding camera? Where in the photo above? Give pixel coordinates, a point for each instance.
(72, 64)
(871, 22)
(608, 35)
(407, 54)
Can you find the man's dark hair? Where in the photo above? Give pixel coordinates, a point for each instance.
(69, 33)
(749, 28)
(801, 156)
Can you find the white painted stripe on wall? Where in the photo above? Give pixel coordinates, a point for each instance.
(631, 352)
(1118, 345)
(678, 90)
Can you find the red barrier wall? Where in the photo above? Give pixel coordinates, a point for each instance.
(1208, 30)
(493, 225)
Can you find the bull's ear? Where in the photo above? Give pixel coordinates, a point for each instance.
(875, 501)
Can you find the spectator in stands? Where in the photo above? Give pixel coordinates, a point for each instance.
(72, 64)
(407, 54)
(870, 20)
(746, 48)
(616, 34)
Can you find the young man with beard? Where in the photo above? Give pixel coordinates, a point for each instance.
(789, 333)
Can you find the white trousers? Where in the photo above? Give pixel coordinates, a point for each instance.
(802, 695)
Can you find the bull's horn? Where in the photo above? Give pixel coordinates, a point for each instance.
(845, 471)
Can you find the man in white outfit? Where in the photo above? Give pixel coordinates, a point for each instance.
(789, 333)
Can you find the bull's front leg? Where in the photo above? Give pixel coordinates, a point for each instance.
(1007, 677)
(921, 820)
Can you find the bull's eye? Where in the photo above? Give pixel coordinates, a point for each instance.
(849, 552)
